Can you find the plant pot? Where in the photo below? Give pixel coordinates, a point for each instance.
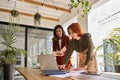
(9, 71)
(14, 13)
(1, 72)
(37, 18)
(117, 69)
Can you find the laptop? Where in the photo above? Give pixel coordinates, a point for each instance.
(48, 65)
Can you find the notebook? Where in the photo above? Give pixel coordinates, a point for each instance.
(48, 65)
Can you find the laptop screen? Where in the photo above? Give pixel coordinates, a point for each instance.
(47, 62)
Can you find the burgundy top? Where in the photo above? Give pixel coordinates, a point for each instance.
(64, 43)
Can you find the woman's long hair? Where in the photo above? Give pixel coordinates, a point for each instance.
(55, 37)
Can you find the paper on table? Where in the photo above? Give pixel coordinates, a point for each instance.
(71, 73)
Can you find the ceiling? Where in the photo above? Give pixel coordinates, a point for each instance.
(50, 10)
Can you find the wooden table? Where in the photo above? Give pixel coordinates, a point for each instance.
(34, 74)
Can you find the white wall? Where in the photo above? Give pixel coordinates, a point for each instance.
(101, 21)
(66, 20)
(98, 30)
(83, 23)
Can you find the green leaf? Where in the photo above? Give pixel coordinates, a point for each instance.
(72, 1)
(86, 3)
(75, 5)
(78, 1)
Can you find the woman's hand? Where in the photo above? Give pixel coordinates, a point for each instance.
(58, 53)
(61, 67)
(80, 68)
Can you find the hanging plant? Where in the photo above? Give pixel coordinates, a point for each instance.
(85, 5)
(37, 18)
(14, 13)
(14, 19)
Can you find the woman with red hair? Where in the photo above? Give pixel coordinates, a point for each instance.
(81, 43)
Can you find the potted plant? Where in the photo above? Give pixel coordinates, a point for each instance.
(113, 57)
(14, 13)
(9, 53)
(14, 17)
(37, 18)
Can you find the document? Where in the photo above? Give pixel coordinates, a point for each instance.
(71, 73)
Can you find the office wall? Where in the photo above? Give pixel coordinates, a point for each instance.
(102, 19)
